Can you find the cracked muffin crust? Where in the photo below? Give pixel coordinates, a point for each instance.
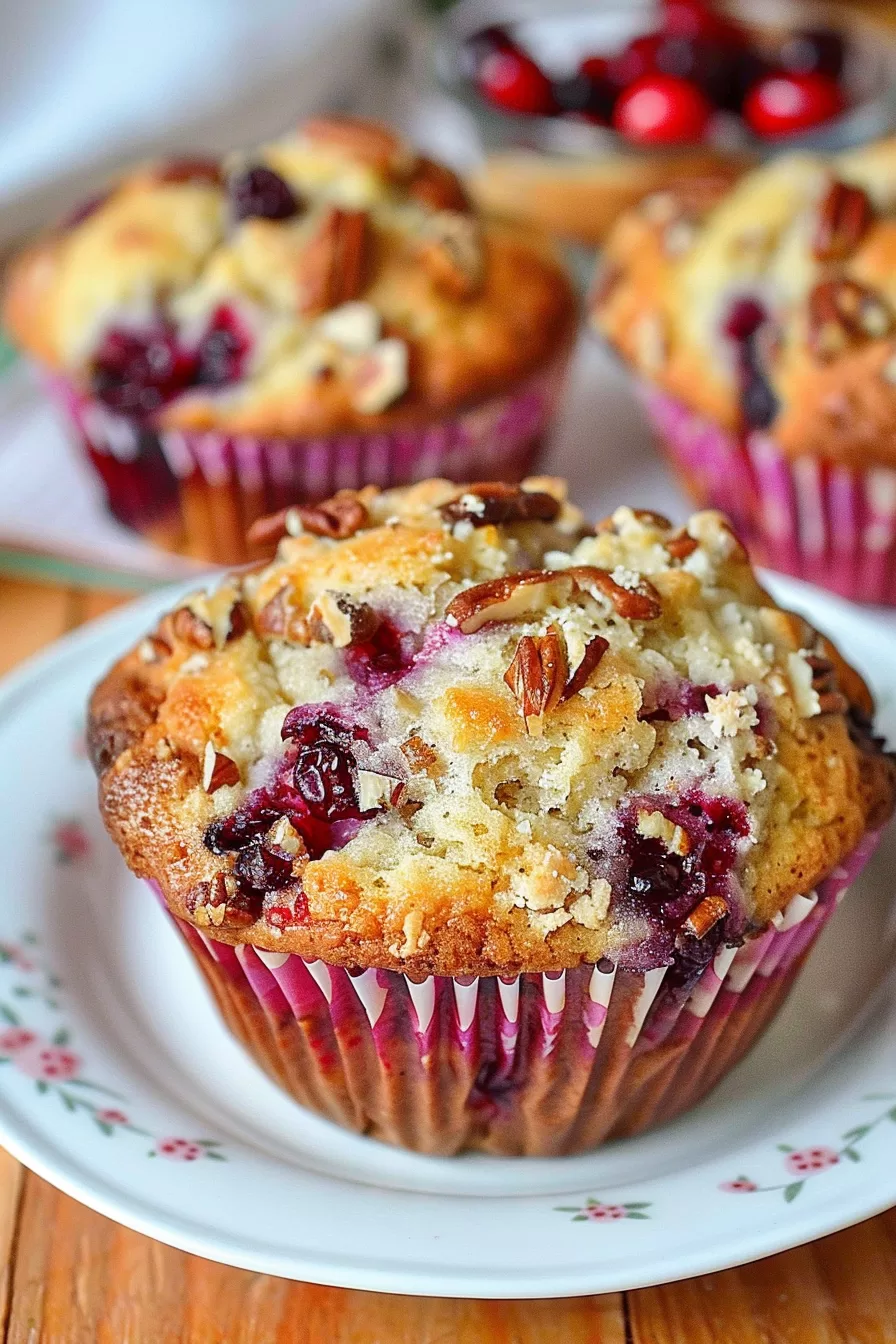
(769, 305)
(328, 281)
(460, 731)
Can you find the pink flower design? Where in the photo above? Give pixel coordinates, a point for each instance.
(809, 1160)
(71, 841)
(739, 1187)
(605, 1213)
(15, 1039)
(178, 1150)
(50, 1063)
(112, 1117)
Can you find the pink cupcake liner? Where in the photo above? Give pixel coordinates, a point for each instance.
(534, 1064)
(821, 521)
(199, 491)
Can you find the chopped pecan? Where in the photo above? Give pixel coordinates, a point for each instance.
(331, 269)
(508, 599)
(608, 275)
(220, 904)
(493, 502)
(419, 755)
(843, 219)
(640, 603)
(240, 621)
(842, 313)
(153, 649)
(366, 142)
(339, 517)
(832, 702)
(450, 248)
(594, 651)
(537, 676)
(681, 546)
(345, 622)
(194, 169)
(824, 673)
(437, 187)
(705, 916)
(191, 629)
(657, 520)
(218, 769)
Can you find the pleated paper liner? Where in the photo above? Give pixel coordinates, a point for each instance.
(197, 493)
(829, 524)
(531, 1065)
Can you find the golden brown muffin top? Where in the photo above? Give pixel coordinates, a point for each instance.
(456, 730)
(330, 280)
(770, 305)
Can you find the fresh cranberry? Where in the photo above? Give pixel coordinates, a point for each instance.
(482, 44)
(744, 325)
(222, 350)
(195, 169)
(380, 661)
(817, 51)
(678, 700)
(662, 110)
(785, 104)
(286, 910)
(723, 70)
(512, 81)
(692, 18)
(586, 97)
(635, 60)
(137, 372)
(260, 193)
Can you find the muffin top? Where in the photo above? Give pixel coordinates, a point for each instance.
(770, 305)
(330, 280)
(456, 730)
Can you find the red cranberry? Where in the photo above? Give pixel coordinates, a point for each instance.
(260, 193)
(222, 350)
(259, 869)
(586, 97)
(660, 109)
(785, 104)
(381, 660)
(286, 910)
(255, 815)
(512, 81)
(677, 701)
(723, 70)
(482, 44)
(137, 372)
(744, 326)
(635, 61)
(817, 51)
(325, 777)
(692, 18)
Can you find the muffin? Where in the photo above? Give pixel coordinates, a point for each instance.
(487, 829)
(321, 312)
(760, 321)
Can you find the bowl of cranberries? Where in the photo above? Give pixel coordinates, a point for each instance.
(655, 74)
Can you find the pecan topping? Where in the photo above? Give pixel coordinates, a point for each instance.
(843, 313)
(191, 629)
(437, 187)
(657, 520)
(220, 904)
(240, 621)
(705, 916)
(218, 769)
(537, 676)
(832, 702)
(450, 248)
(364, 141)
(843, 219)
(344, 622)
(194, 169)
(419, 755)
(594, 651)
(338, 517)
(640, 603)
(493, 502)
(508, 599)
(681, 546)
(153, 649)
(331, 269)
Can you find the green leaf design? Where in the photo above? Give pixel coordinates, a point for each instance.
(579, 1218)
(8, 1015)
(852, 1154)
(858, 1133)
(219, 1157)
(879, 1096)
(892, 1113)
(30, 938)
(41, 1086)
(641, 1204)
(67, 1101)
(792, 1191)
(103, 1127)
(61, 1037)
(784, 1148)
(96, 1087)
(566, 1208)
(635, 1214)
(208, 1143)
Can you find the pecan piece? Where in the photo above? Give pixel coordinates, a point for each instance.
(537, 676)
(640, 603)
(705, 916)
(843, 313)
(681, 546)
(153, 649)
(436, 187)
(419, 755)
(344, 622)
(657, 520)
(844, 216)
(192, 629)
(220, 904)
(493, 502)
(832, 702)
(331, 268)
(450, 249)
(366, 142)
(196, 169)
(218, 769)
(508, 599)
(339, 517)
(594, 651)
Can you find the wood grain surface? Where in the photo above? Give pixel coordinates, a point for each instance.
(71, 1276)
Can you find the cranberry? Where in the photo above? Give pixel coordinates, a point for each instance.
(723, 70)
(635, 61)
(744, 325)
(511, 80)
(381, 660)
(286, 910)
(307, 723)
(817, 51)
(325, 777)
(260, 868)
(660, 109)
(260, 193)
(482, 44)
(586, 96)
(678, 700)
(785, 104)
(222, 350)
(255, 815)
(137, 372)
(692, 18)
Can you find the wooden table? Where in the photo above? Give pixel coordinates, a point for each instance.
(71, 1276)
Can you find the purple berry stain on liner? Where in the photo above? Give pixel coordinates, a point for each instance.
(744, 325)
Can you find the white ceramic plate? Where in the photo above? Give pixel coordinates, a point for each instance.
(120, 1085)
